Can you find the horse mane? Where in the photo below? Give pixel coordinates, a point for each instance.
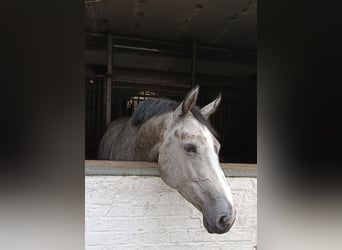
(155, 107)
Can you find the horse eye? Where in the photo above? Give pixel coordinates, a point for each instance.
(190, 148)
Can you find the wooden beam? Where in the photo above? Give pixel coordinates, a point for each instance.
(141, 168)
(193, 64)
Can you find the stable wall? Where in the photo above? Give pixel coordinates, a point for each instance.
(141, 212)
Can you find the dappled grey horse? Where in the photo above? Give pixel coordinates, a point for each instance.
(180, 138)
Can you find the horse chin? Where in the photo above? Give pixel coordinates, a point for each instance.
(205, 223)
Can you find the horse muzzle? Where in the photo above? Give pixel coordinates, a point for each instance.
(221, 223)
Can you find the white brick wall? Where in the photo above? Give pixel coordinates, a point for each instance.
(141, 212)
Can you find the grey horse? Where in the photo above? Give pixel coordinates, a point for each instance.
(179, 137)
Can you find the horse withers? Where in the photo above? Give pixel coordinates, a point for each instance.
(180, 138)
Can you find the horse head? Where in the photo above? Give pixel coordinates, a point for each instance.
(188, 162)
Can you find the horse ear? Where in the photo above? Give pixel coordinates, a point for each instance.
(210, 108)
(188, 102)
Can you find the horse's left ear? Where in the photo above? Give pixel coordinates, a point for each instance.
(188, 102)
(210, 108)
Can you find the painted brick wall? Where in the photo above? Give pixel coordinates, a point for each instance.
(140, 212)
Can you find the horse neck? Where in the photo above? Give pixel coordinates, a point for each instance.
(149, 137)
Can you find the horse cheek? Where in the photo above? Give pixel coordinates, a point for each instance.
(167, 170)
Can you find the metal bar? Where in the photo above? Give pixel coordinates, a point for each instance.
(135, 48)
(203, 79)
(171, 43)
(152, 83)
(180, 49)
(193, 64)
(173, 52)
(95, 34)
(108, 88)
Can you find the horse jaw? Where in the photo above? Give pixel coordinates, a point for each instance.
(154, 153)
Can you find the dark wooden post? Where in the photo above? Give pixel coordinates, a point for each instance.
(108, 88)
(193, 65)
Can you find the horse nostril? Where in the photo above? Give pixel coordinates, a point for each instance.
(222, 222)
(225, 222)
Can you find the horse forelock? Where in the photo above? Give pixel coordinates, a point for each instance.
(155, 107)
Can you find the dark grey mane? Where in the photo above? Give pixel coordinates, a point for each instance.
(154, 107)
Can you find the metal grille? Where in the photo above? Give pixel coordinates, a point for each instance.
(143, 95)
(234, 120)
(126, 96)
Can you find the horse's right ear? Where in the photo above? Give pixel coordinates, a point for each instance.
(188, 102)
